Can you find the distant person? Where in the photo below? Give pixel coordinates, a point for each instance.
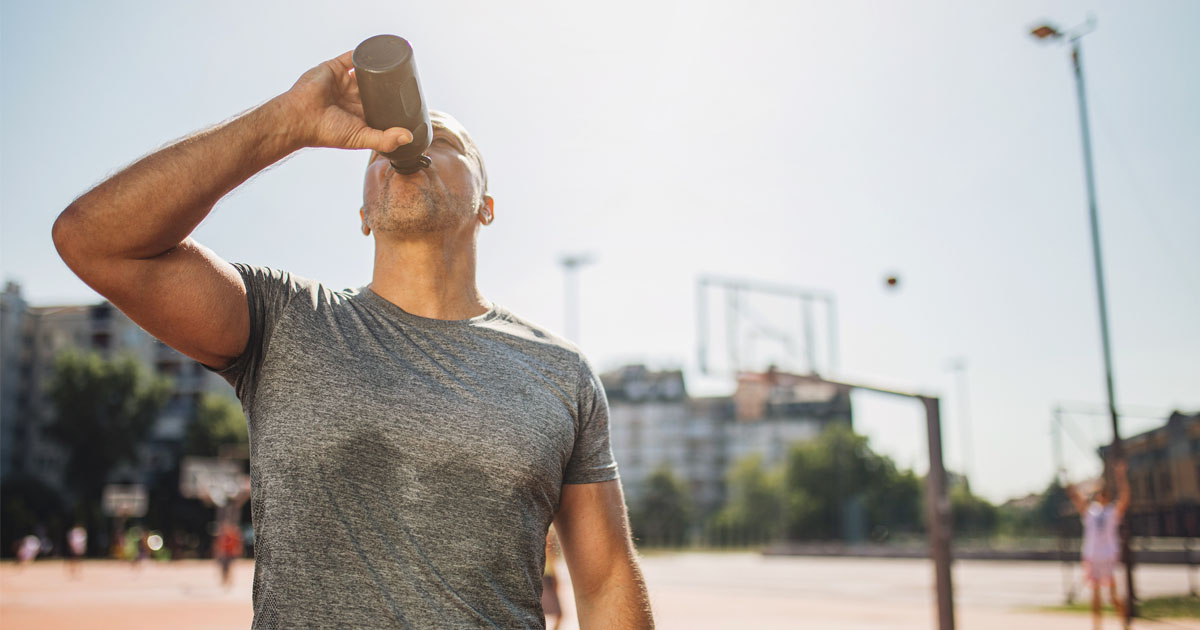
(1101, 551)
(143, 546)
(551, 606)
(438, 432)
(228, 547)
(76, 547)
(27, 549)
(131, 546)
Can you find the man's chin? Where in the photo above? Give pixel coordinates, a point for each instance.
(409, 222)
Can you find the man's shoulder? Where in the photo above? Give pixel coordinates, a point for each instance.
(536, 337)
(288, 284)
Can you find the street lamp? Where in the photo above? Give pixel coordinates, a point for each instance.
(1046, 32)
(959, 367)
(571, 264)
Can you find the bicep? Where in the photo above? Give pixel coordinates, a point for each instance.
(188, 297)
(593, 528)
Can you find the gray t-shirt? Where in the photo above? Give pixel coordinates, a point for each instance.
(405, 470)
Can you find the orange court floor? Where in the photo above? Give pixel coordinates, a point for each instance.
(694, 591)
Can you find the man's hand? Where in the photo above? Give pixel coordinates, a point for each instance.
(327, 111)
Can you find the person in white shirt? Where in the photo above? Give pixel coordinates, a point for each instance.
(1101, 544)
(77, 544)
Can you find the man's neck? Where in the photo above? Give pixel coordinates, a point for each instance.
(429, 277)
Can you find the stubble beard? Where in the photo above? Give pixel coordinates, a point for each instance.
(419, 210)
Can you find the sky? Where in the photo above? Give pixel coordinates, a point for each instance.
(820, 146)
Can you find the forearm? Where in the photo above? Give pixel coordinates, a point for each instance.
(1123, 494)
(622, 603)
(151, 206)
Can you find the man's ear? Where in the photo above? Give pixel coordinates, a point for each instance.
(487, 210)
(362, 214)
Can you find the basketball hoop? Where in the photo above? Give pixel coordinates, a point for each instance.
(125, 501)
(214, 481)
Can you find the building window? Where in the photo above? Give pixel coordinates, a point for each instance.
(168, 368)
(101, 340)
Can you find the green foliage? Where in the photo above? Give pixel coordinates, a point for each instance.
(1176, 606)
(839, 489)
(663, 511)
(834, 487)
(1170, 606)
(752, 509)
(1053, 507)
(1052, 515)
(102, 409)
(219, 422)
(972, 515)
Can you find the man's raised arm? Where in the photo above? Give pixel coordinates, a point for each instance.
(127, 238)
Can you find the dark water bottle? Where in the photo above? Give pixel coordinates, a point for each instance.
(391, 96)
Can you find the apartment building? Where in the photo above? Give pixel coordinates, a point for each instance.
(655, 423)
(1164, 478)
(30, 339)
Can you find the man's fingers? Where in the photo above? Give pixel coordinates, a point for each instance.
(399, 135)
(383, 141)
(345, 61)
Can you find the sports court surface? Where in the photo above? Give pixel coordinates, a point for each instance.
(694, 591)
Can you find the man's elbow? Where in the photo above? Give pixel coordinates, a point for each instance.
(66, 239)
(77, 248)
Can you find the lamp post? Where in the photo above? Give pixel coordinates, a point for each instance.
(571, 264)
(959, 367)
(1046, 32)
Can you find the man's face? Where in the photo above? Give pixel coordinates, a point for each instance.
(444, 197)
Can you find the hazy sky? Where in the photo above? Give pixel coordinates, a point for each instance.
(817, 145)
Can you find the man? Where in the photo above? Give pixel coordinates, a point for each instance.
(1101, 544)
(410, 442)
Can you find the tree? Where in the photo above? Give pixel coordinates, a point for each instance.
(752, 509)
(1050, 514)
(972, 515)
(219, 422)
(839, 489)
(663, 511)
(897, 503)
(102, 409)
(1054, 511)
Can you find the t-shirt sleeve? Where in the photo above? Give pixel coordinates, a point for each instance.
(592, 459)
(268, 293)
